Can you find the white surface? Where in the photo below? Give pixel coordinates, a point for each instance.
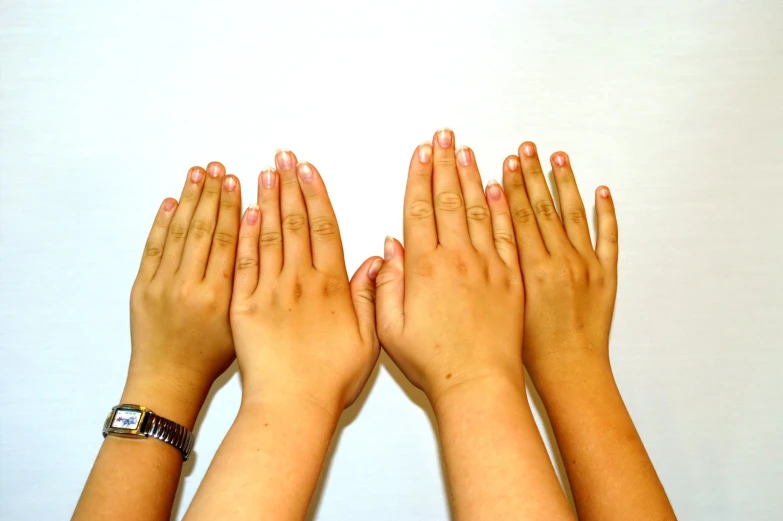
(677, 106)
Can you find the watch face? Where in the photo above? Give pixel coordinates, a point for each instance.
(126, 419)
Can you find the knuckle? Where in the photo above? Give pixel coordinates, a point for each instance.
(211, 191)
(576, 216)
(270, 238)
(364, 294)
(477, 212)
(247, 262)
(544, 208)
(445, 160)
(420, 209)
(224, 239)
(200, 228)
(177, 231)
(294, 222)
(610, 237)
(332, 286)
(227, 202)
(323, 227)
(523, 215)
(504, 239)
(449, 201)
(153, 251)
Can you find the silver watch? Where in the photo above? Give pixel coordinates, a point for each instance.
(135, 421)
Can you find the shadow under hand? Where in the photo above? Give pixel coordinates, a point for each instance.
(187, 467)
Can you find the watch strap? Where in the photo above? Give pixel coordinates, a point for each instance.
(170, 432)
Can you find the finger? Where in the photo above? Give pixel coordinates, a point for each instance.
(571, 206)
(156, 240)
(363, 296)
(296, 233)
(220, 267)
(202, 226)
(503, 229)
(178, 230)
(247, 263)
(607, 242)
(390, 292)
(528, 237)
(270, 239)
(476, 209)
(419, 231)
(450, 218)
(327, 249)
(540, 199)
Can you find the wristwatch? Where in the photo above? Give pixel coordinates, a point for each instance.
(135, 421)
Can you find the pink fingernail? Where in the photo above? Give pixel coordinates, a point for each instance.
(375, 267)
(464, 156)
(196, 175)
(512, 164)
(168, 204)
(529, 149)
(445, 137)
(252, 213)
(214, 169)
(230, 183)
(388, 248)
(493, 189)
(425, 152)
(305, 172)
(284, 159)
(268, 177)
(559, 159)
(604, 192)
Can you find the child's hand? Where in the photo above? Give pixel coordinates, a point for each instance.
(301, 330)
(450, 307)
(570, 286)
(179, 303)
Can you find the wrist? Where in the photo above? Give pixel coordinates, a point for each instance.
(575, 374)
(177, 395)
(477, 391)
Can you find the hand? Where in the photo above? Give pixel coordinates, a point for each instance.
(300, 329)
(570, 286)
(450, 307)
(180, 333)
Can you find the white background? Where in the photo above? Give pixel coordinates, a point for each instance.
(676, 105)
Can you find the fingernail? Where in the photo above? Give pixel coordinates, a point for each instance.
(230, 183)
(529, 149)
(196, 175)
(213, 169)
(559, 159)
(284, 159)
(375, 267)
(445, 137)
(464, 156)
(604, 192)
(168, 204)
(512, 164)
(425, 152)
(388, 248)
(268, 177)
(305, 172)
(252, 213)
(493, 189)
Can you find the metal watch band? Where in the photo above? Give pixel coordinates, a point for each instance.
(170, 432)
(134, 421)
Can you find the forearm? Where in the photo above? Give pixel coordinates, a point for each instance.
(269, 463)
(139, 477)
(497, 465)
(611, 475)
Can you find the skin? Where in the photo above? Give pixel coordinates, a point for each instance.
(306, 345)
(570, 288)
(451, 315)
(180, 343)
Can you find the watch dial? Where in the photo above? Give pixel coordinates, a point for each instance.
(126, 419)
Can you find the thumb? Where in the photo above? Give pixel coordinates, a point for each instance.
(363, 297)
(390, 284)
